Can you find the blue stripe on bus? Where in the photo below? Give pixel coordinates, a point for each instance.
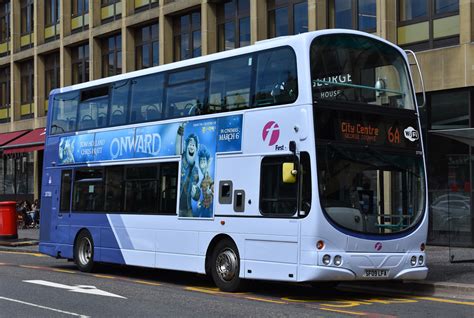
(107, 247)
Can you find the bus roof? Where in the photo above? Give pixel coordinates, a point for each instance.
(294, 41)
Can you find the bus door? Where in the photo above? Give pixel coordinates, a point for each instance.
(56, 202)
(285, 187)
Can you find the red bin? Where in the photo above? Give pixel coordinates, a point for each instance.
(8, 220)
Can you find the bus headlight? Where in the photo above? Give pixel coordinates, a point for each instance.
(420, 260)
(337, 260)
(326, 259)
(413, 261)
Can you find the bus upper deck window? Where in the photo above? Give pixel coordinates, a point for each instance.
(93, 108)
(64, 112)
(276, 77)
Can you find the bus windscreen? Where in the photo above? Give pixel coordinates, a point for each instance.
(348, 68)
(369, 153)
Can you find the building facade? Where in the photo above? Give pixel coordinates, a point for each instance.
(45, 44)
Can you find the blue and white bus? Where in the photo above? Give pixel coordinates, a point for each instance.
(295, 159)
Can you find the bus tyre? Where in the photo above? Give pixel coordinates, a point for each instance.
(84, 252)
(225, 266)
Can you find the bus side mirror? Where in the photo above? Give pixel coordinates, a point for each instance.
(289, 172)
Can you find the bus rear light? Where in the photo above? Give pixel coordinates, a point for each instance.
(413, 261)
(422, 247)
(326, 259)
(320, 245)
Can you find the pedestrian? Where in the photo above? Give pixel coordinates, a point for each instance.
(35, 208)
(22, 209)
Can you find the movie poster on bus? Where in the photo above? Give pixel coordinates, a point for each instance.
(156, 141)
(76, 149)
(229, 133)
(198, 149)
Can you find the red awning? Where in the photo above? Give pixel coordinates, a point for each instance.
(7, 137)
(31, 141)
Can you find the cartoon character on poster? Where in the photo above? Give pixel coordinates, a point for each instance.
(197, 185)
(204, 206)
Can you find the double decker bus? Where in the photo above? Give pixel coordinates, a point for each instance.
(295, 159)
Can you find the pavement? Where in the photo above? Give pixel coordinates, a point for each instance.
(451, 270)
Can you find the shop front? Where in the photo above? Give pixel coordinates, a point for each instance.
(21, 165)
(450, 162)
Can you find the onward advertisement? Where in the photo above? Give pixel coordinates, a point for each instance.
(195, 141)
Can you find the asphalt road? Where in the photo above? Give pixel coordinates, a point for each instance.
(33, 285)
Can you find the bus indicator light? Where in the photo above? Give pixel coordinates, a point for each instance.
(320, 245)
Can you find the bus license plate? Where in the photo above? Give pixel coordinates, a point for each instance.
(376, 273)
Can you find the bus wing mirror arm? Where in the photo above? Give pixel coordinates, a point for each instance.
(417, 64)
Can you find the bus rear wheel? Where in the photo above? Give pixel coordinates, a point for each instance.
(84, 252)
(225, 266)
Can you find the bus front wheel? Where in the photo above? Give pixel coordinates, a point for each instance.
(84, 252)
(225, 266)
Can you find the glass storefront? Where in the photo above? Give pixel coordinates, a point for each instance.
(17, 177)
(450, 164)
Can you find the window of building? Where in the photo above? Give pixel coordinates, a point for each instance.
(51, 17)
(4, 26)
(353, 14)
(16, 175)
(233, 27)
(276, 198)
(142, 5)
(9, 176)
(51, 12)
(187, 36)
(79, 7)
(111, 10)
(27, 89)
(80, 15)
(449, 110)
(80, 63)
(425, 24)
(112, 55)
(27, 16)
(24, 173)
(147, 46)
(27, 24)
(51, 71)
(4, 94)
(287, 17)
